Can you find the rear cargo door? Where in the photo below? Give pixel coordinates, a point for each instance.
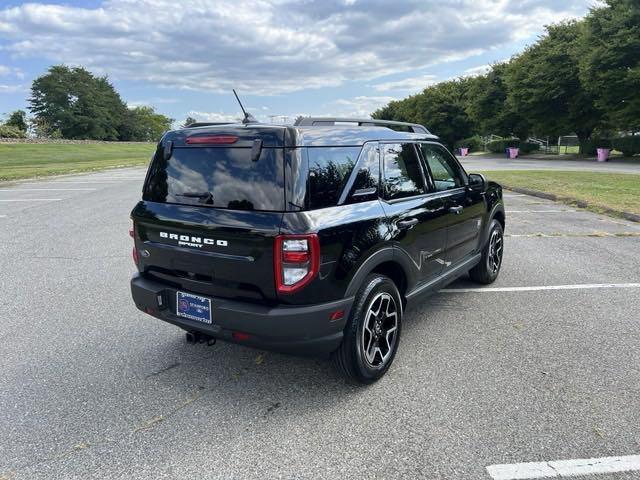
(209, 216)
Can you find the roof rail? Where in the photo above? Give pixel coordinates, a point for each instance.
(366, 122)
(208, 124)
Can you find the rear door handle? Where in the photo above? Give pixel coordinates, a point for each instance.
(407, 224)
(457, 210)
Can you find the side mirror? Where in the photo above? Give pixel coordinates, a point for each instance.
(477, 182)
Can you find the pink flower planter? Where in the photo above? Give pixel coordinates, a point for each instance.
(514, 152)
(603, 154)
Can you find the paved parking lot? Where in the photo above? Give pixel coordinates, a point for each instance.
(549, 162)
(485, 377)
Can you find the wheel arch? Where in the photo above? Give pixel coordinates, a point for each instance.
(385, 262)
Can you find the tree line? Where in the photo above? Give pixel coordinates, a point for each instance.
(72, 103)
(582, 77)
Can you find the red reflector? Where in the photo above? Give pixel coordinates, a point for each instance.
(211, 140)
(295, 257)
(337, 315)
(240, 336)
(132, 233)
(134, 254)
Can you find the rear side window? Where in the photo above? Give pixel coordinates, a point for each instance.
(402, 172)
(218, 177)
(329, 170)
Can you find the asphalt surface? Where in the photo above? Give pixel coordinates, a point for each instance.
(551, 162)
(92, 388)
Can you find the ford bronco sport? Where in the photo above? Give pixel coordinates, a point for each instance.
(309, 238)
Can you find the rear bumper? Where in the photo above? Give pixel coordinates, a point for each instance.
(294, 329)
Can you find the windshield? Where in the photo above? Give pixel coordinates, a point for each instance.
(219, 177)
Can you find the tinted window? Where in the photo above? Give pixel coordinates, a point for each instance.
(445, 171)
(402, 172)
(219, 177)
(365, 185)
(329, 170)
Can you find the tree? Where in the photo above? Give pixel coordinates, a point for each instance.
(610, 66)
(78, 104)
(143, 124)
(188, 121)
(441, 108)
(18, 119)
(544, 84)
(488, 109)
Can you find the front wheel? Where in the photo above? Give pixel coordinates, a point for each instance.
(372, 334)
(489, 267)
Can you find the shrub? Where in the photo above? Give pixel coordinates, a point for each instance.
(474, 144)
(629, 146)
(500, 146)
(9, 131)
(590, 147)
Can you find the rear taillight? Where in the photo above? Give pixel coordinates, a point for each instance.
(134, 252)
(296, 261)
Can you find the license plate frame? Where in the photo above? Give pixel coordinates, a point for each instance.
(194, 307)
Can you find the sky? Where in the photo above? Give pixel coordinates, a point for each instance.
(284, 57)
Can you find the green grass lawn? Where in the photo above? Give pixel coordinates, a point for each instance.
(24, 160)
(617, 191)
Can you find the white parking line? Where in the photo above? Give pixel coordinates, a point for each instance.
(539, 211)
(47, 189)
(542, 287)
(564, 468)
(32, 200)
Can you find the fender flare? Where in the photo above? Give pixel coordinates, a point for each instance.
(498, 207)
(387, 254)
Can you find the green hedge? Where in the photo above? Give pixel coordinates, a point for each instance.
(9, 131)
(500, 146)
(590, 147)
(474, 144)
(629, 146)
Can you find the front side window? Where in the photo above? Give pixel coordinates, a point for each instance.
(445, 171)
(402, 172)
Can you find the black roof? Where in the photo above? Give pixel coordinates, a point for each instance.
(296, 136)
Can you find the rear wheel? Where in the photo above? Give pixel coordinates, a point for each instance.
(372, 334)
(489, 267)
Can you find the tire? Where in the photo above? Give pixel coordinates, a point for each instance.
(372, 334)
(488, 269)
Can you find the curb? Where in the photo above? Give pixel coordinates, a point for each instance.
(574, 201)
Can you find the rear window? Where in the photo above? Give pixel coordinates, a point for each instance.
(329, 170)
(219, 177)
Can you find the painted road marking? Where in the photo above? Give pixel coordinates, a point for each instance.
(47, 189)
(542, 287)
(32, 200)
(574, 235)
(564, 468)
(539, 211)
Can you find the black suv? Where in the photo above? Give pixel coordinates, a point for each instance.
(309, 238)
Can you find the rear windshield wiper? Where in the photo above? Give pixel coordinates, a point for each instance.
(204, 197)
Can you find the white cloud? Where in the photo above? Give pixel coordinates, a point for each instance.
(359, 107)
(270, 46)
(6, 71)
(411, 84)
(479, 70)
(214, 116)
(13, 88)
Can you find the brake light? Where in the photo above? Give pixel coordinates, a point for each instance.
(296, 261)
(211, 139)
